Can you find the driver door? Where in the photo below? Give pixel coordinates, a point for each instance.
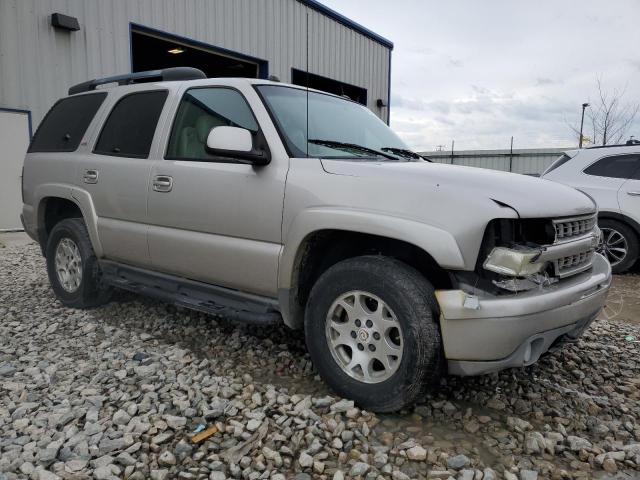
(211, 218)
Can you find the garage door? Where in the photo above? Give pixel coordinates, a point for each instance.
(14, 139)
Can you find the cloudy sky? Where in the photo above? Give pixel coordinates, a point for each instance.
(480, 72)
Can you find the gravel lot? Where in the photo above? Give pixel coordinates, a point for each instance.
(117, 392)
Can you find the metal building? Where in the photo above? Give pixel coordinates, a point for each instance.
(48, 45)
(529, 161)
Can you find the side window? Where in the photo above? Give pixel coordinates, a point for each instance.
(66, 123)
(620, 166)
(129, 129)
(200, 110)
(636, 174)
(564, 158)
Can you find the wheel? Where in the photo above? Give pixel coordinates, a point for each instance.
(618, 243)
(372, 333)
(72, 266)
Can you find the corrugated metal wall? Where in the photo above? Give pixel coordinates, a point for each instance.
(39, 63)
(532, 161)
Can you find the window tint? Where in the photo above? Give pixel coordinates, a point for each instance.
(200, 110)
(620, 166)
(564, 158)
(128, 132)
(66, 123)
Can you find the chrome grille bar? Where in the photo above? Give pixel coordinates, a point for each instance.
(567, 228)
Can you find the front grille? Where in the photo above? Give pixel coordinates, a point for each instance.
(573, 227)
(573, 264)
(569, 230)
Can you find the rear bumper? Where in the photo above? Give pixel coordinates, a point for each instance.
(514, 330)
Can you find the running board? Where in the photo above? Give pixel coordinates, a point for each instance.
(214, 300)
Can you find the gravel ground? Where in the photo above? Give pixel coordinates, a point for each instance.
(117, 392)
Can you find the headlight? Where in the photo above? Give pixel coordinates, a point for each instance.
(514, 262)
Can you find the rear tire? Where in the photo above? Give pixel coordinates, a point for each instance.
(397, 348)
(72, 266)
(616, 236)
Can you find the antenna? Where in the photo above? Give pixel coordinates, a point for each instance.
(307, 81)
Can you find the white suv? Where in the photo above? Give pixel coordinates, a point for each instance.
(611, 176)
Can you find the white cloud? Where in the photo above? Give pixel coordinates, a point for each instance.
(480, 72)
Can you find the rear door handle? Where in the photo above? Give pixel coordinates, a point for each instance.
(162, 183)
(90, 176)
(634, 194)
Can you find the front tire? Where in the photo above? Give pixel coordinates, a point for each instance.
(73, 269)
(372, 333)
(619, 244)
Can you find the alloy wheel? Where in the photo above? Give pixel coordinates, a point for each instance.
(68, 265)
(364, 336)
(613, 245)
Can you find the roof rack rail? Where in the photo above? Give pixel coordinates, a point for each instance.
(164, 75)
(628, 143)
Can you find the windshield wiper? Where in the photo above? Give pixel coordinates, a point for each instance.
(354, 147)
(403, 152)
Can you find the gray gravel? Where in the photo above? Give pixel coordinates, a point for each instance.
(117, 392)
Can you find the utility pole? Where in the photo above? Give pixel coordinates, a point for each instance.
(584, 105)
(511, 155)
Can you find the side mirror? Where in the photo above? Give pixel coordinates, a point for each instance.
(235, 142)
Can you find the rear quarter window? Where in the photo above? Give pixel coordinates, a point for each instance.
(65, 124)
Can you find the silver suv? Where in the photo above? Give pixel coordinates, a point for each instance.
(264, 202)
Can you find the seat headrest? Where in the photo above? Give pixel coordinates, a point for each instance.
(203, 126)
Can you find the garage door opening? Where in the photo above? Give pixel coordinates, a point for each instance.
(357, 94)
(151, 50)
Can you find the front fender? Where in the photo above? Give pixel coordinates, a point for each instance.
(438, 243)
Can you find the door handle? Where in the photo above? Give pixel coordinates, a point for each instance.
(162, 183)
(634, 194)
(90, 176)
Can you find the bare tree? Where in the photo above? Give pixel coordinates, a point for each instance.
(608, 118)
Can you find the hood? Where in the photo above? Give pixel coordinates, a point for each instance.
(530, 197)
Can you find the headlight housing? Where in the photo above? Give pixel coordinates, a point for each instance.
(514, 262)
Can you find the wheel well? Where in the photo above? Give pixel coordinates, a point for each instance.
(55, 209)
(632, 224)
(323, 249)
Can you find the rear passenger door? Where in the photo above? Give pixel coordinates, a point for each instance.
(629, 193)
(117, 174)
(604, 178)
(212, 218)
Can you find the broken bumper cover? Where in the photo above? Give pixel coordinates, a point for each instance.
(515, 330)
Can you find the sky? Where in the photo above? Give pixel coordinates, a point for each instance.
(479, 72)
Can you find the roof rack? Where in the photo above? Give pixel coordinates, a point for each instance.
(164, 75)
(628, 143)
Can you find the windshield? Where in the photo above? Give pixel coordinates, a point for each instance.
(338, 128)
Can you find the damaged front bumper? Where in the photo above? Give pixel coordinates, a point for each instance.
(492, 333)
